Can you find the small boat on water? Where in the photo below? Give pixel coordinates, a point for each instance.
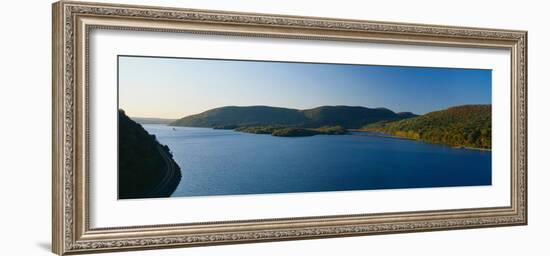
(173, 129)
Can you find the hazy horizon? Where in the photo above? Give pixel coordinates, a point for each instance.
(172, 88)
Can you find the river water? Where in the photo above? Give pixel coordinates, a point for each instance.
(225, 162)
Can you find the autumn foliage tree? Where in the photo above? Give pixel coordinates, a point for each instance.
(461, 126)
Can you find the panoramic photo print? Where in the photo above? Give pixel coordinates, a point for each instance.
(210, 127)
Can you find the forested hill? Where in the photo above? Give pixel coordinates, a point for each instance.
(345, 116)
(145, 167)
(460, 126)
(349, 117)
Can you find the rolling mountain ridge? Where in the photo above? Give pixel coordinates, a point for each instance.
(349, 117)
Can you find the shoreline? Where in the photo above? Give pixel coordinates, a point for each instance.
(472, 148)
(363, 133)
(170, 182)
(374, 134)
(383, 135)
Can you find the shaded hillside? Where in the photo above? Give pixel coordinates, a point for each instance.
(243, 116)
(461, 126)
(345, 116)
(145, 167)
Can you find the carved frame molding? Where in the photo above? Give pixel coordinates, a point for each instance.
(72, 22)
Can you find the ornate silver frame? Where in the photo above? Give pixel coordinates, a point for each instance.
(72, 22)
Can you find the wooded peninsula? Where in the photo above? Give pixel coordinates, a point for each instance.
(467, 126)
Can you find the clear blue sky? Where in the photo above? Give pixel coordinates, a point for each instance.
(174, 88)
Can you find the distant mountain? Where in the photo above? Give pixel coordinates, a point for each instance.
(152, 120)
(345, 116)
(404, 115)
(460, 126)
(145, 167)
(243, 116)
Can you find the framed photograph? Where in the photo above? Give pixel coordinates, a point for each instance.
(179, 127)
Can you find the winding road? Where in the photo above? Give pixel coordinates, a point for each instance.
(169, 176)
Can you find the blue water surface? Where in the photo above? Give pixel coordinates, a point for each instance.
(225, 162)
